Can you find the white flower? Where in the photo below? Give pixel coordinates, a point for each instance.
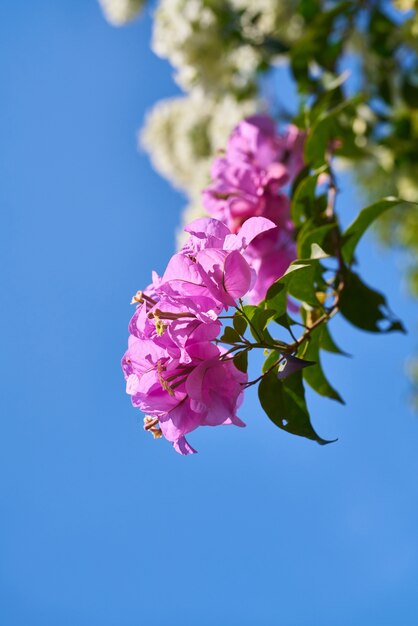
(188, 34)
(268, 18)
(218, 44)
(119, 12)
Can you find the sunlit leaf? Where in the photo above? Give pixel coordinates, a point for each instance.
(315, 235)
(271, 360)
(355, 231)
(240, 323)
(299, 282)
(258, 320)
(317, 252)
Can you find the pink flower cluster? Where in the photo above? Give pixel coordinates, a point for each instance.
(174, 369)
(249, 180)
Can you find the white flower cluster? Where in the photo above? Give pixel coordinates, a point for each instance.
(216, 48)
(119, 12)
(183, 134)
(218, 44)
(268, 18)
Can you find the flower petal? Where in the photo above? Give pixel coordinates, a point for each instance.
(249, 230)
(183, 447)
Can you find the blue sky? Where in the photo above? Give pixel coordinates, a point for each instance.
(99, 523)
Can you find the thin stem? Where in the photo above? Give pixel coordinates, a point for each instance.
(234, 349)
(292, 333)
(254, 382)
(249, 321)
(325, 317)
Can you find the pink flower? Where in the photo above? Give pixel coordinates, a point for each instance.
(174, 371)
(178, 397)
(249, 181)
(211, 266)
(175, 325)
(270, 256)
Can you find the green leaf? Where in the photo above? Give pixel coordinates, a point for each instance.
(309, 8)
(249, 310)
(263, 317)
(303, 199)
(230, 335)
(258, 318)
(314, 236)
(240, 323)
(327, 343)
(285, 321)
(381, 30)
(314, 375)
(271, 359)
(355, 231)
(410, 92)
(315, 44)
(304, 172)
(329, 98)
(365, 308)
(284, 402)
(299, 282)
(325, 129)
(276, 298)
(241, 361)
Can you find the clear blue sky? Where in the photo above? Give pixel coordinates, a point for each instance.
(99, 524)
